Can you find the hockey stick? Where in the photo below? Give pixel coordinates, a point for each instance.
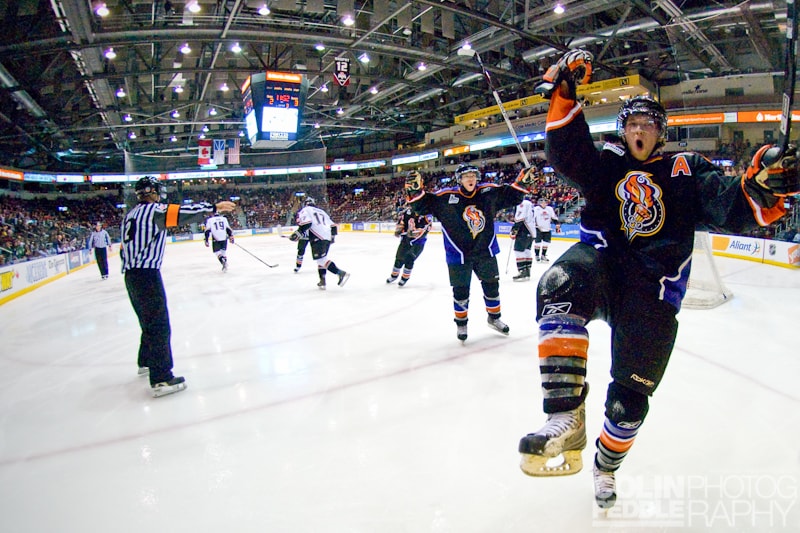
(469, 51)
(508, 259)
(790, 70)
(245, 249)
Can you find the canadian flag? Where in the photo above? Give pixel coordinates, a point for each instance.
(204, 152)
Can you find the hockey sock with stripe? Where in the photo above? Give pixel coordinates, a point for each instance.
(563, 347)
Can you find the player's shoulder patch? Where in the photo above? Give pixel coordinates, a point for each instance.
(615, 148)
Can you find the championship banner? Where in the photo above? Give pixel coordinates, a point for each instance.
(342, 71)
(219, 151)
(204, 152)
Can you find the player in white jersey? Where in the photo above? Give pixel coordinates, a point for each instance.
(523, 233)
(315, 224)
(544, 216)
(220, 231)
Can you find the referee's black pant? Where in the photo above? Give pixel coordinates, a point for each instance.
(146, 291)
(101, 255)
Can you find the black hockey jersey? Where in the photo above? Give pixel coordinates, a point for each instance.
(468, 219)
(419, 225)
(647, 212)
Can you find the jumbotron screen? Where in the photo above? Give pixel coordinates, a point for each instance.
(273, 105)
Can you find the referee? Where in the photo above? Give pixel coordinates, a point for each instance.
(99, 240)
(144, 238)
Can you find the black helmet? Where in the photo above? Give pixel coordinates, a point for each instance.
(412, 176)
(147, 185)
(309, 201)
(465, 169)
(643, 105)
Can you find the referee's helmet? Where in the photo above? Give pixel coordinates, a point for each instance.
(147, 185)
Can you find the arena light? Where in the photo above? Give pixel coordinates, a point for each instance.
(101, 9)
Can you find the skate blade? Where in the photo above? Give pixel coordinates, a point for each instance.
(169, 389)
(565, 464)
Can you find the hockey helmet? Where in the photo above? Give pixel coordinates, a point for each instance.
(413, 176)
(643, 105)
(147, 185)
(467, 169)
(309, 201)
(413, 180)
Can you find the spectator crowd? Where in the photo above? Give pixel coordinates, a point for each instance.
(34, 227)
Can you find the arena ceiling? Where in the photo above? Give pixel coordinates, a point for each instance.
(60, 107)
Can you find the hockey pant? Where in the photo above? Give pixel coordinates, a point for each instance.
(522, 249)
(319, 251)
(461, 276)
(542, 242)
(220, 249)
(301, 251)
(407, 253)
(586, 284)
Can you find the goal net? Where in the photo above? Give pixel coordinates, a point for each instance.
(705, 289)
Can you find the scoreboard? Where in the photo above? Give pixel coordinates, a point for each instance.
(273, 108)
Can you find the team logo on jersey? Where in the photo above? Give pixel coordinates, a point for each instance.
(475, 220)
(641, 209)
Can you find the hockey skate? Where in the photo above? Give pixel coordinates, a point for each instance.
(321, 284)
(524, 275)
(605, 488)
(497, 325)
(224, 265)
(461, 331)
(343, 277)
(296, 270)
(143, 371)
(562, 437)
(403, 281)
(172, 386)
(545, 259)
(391, 279)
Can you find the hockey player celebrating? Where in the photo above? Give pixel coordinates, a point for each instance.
(413, 232)
(467, 215)
(545, 217)
(218, 228)
(315, 225)
(630, 267)
(523, 232)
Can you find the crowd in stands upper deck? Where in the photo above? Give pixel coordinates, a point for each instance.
(35, 227)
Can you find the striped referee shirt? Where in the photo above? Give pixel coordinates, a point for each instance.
(143, 231)
(99, 239)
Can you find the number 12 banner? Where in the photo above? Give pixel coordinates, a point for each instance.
(342, 71)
